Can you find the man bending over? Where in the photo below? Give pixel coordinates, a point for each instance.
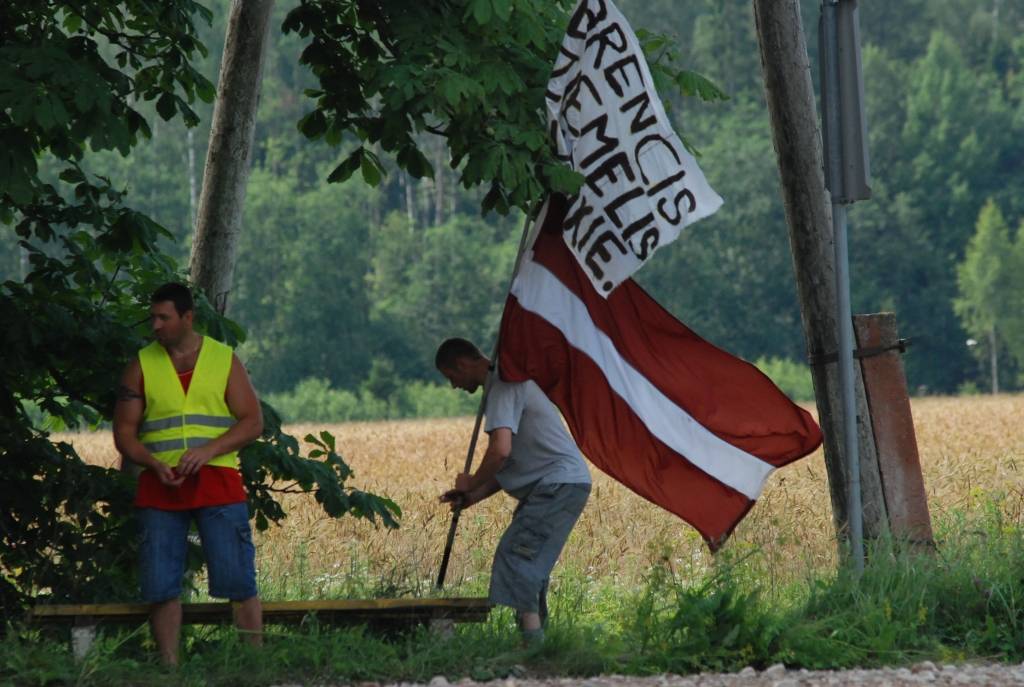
(531, 456)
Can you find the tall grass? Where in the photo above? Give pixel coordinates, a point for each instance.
(636, 591)
(963, 600)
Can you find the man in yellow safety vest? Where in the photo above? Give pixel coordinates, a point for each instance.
(185, 407)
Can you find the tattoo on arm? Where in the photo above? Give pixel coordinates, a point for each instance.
(126, 394)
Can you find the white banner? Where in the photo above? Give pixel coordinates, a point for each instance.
(642, 186)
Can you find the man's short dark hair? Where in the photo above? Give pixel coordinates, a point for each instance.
(179, 294)
(452, 350)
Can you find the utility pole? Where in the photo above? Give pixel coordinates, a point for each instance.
(993, 358)
(790, 96)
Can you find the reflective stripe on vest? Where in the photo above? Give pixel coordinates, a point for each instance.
(171, 444)
(175, 421)
(179, 420)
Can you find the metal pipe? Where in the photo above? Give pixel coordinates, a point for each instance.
(846, 385)
(844, 314)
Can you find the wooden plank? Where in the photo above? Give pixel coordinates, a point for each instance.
(58, 610)
(340, 611)
(893, 425)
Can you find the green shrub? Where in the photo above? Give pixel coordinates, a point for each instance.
(792, 377)
(313, 400)
(425, 399)
(968, 388)
(963, 600)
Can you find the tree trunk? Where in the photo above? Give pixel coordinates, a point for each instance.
(995, 23)
(993, 357)
(229, 157)
(410, 201)
(797, 140)
(193, 187)
(440, 149)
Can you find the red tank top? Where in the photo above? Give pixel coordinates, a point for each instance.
(211, 486)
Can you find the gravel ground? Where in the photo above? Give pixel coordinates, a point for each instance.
(926, 673)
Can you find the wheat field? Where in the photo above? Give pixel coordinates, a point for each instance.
(972, 454)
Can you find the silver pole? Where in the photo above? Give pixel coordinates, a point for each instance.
(842, 260)
(846, 384)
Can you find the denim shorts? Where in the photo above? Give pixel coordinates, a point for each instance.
(227, 547)
(532, 543)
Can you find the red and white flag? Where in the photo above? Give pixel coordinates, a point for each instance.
(680, 422)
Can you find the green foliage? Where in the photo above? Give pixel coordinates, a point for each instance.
(961, 602)
(968, 389)
(33, 661)
(1013, 323)
(424, 399)
(473, 72)
(89, 260)
(313, 400)
(321, 278)
(981, 277)
(730, 277)
(305, 299)
(935, 147)
(266, 464)
(792, 377)
(447, 280)
(385, 76)
(986, 299)
(71, 79)
(713, 626)
(722, 41)
(663, 51)
(990, 281)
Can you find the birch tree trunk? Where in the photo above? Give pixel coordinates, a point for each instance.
(797, 140)
(193, 186)
(229, 156)
(993, 357)
(410, 199)
(440, 152)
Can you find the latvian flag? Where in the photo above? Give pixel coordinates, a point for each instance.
(682, 423)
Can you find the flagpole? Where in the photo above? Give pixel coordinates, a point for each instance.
(450, 541)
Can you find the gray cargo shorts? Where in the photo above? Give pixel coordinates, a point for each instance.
(532, 543)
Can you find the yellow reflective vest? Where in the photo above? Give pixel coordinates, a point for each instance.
(175, 421)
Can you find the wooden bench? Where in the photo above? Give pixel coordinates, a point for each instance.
(440, 614)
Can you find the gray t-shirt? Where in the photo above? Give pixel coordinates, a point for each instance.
(543, 452)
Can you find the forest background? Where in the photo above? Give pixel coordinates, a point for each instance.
(345, 289)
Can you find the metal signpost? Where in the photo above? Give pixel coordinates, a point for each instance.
(844, 138)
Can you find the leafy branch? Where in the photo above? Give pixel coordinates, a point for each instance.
(73, 321)
(322, 472)
(471, 71)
